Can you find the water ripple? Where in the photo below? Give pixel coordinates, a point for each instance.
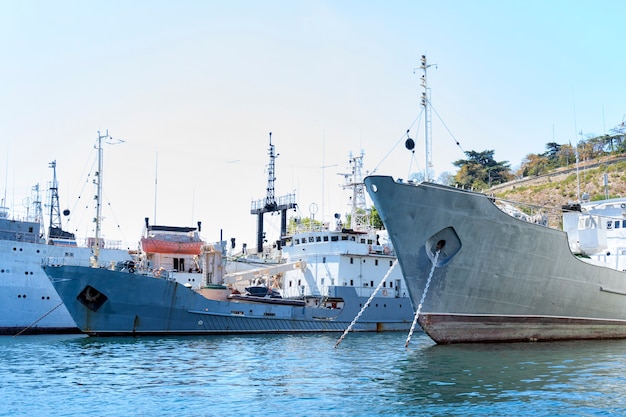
(304, 375)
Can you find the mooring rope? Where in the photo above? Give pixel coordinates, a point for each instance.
(38, 320)
(367, 303)
(419, 307)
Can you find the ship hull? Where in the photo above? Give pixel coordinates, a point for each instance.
(30, 304)
(493, 278)
(106, 303)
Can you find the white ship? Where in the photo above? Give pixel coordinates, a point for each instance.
(30, 304)
(354, 256)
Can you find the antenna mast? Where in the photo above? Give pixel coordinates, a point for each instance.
(98, 196)
(427, 117)
(270, 199)
(269, 203)
(55, 211)
(359, 216)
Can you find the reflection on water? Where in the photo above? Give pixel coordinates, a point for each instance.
(305, 375)
(586, 375)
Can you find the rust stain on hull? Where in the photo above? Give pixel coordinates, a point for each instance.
(450, 328)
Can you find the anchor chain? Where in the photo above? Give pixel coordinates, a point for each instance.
(38, 320)
(419, 307)
(367, 303)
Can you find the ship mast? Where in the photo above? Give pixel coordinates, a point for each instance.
(359, 216)
(55, 212)
(427, 117)
(269, 203)
(97, 198)
(55, 229)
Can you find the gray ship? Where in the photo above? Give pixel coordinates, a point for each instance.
(122, 301)
(346, 273)
(477, 274)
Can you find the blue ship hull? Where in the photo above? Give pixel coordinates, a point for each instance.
(107, 302)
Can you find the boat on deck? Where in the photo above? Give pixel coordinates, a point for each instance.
(478, 274)
(176, 249)
(171, 240)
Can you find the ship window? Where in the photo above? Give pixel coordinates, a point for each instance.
(623, 223)
(617, 225)
(609, 224)
(179, 264)
(334, 238)
(324, 260)
(376, 262)
(390, 263)
(297, 241)
(311, 239)
(370, 241)
(344, 237)
(363, 241)
(352, 238)
(325, 238)
(371, 283)
(299, 282)
(351, 283)
(390, 284)
(290, 282)
(351, 261)
(384, 284)
(322, 283)
(318, 239)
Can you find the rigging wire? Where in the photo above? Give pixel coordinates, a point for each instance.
(446, 126)
(397, 142)
(416, 120)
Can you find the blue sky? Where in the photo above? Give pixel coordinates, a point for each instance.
(194, 88)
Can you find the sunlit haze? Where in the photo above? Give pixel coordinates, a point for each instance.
(193, 88)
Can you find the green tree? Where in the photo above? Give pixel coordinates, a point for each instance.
(299, 223)
(534, 164)
(375, 220)
(481, 170)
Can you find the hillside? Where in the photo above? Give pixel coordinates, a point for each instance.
(547, 193)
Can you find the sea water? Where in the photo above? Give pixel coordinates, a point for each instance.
(305, 375)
